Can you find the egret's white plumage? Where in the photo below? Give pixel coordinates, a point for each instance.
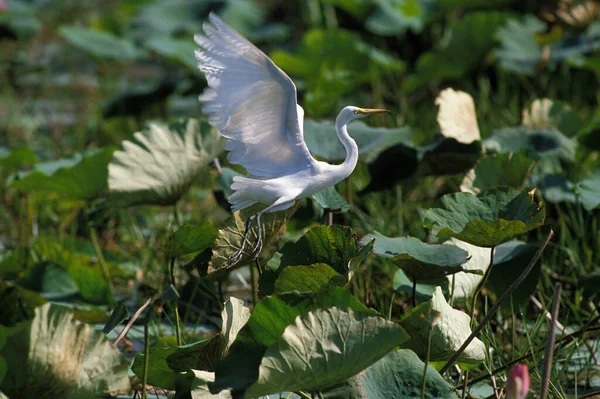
(253, 104)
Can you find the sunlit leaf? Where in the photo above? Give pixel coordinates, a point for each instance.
(419, 260)
(398, 375)
(323, 348)
(498, 170)
(448, 328)
(162, 163)
(488, 219)
(229, 237)
(189, 239)
(323, 142)
(53, 356)
(82, 176)
(546, 114)
(461, 285)
(102, 45)
(456, 116)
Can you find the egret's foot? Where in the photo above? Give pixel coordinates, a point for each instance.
(257, 248)
(235, 257)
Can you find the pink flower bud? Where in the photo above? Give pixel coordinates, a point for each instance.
(518, 382)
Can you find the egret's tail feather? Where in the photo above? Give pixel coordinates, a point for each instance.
(242, 197)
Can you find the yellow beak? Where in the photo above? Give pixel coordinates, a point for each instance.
(372, 110)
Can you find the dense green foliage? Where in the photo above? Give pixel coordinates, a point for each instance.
(113, 202)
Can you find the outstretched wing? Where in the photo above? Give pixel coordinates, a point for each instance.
(252, 103)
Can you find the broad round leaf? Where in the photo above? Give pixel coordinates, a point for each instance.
(332, 245)
(330, 199)
(488, 219)
(159, 372)
(448, 327)
(53, 356)
(419, 260)
(323, 143)
(589, 190)
(180, 51)
(461, 285)
(545, 113)
(103, 45)
(82, 176)
(498, 170)
(398, 375)
(189, 239)
(162, 163)
(307, 279)
(323, 348)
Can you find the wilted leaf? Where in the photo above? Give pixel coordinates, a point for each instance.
(498, 170)
(398, 375)
(323, 348)
(449, 329)
(457, 117)
(82, 176)
(53, 356)
(199, 386)
(162, 164)
(488, 219)
(423, 290)
(102, 45)
(189, 239)
(461, 285)
(323, 143)
(229, 237)
(419, 260)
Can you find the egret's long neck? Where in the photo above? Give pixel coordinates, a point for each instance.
(351, 149)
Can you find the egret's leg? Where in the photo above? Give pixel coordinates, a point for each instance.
(237, 255)
(258, 245)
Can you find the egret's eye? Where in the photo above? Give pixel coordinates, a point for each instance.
(355, 112)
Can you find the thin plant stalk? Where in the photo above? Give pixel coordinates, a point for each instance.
(482, 284)
(102, 262)
(495, 308)
(414, 292)
(175, 302)
(146, 356)
(424, 378)
(550, 342)
(254, 274)
(131, 321)
(391, 306)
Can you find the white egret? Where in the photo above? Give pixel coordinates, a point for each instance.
(253, 104)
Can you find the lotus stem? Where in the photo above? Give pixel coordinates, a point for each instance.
(146, 355)
(482, 284)
(102, 262)
(175, 302)
(550, 342)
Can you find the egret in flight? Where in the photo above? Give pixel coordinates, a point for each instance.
(253, 104)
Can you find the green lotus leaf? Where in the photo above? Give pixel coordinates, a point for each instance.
(588, 189)
(307, 279)
(323, 348)
(162, 163)
(398, 375)
(487, 219)
(189, 239)
(419, 260)
(498, 170)
(330, 199)
(448, 328)
(102, 45)
(82, 176)
(53, 356)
